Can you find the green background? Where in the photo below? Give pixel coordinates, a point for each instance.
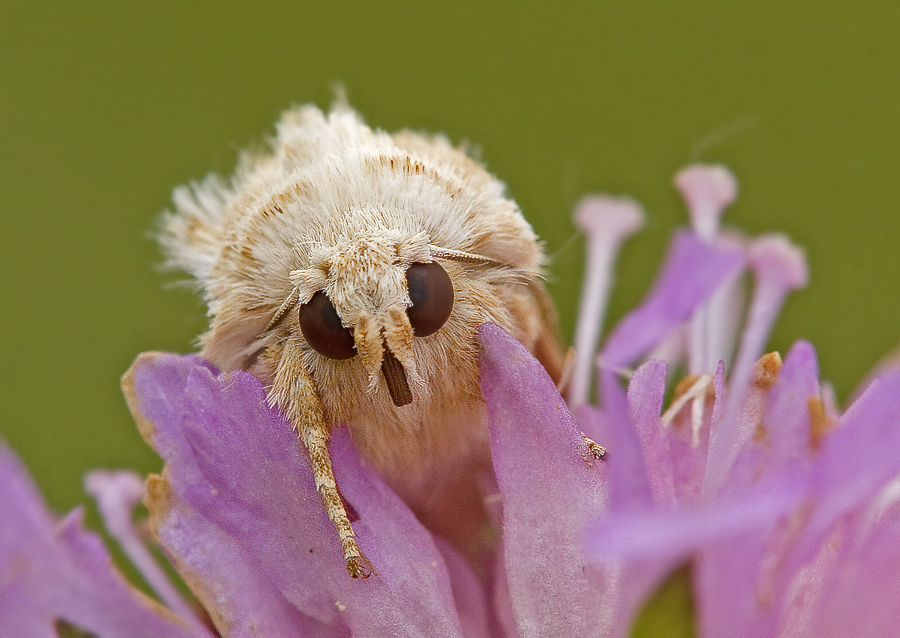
(105, 107)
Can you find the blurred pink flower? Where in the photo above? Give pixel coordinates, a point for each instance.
(786, 509)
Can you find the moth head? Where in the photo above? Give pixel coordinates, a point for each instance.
(372, 298)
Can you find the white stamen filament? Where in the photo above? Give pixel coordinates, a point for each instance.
(698, 407)
(708, 191)
(712, 330)
(778, 267)
(696, 395)
(117, 493)
(607, 222)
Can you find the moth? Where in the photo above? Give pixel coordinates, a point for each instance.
(348, 269)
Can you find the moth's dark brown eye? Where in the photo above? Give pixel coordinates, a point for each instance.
(322, 328)
(431, 293)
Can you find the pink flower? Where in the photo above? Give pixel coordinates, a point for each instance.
(54, 574)
(786, 509)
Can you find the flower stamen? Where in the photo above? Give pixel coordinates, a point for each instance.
(708, 191)
(607, 222)
(696, 394)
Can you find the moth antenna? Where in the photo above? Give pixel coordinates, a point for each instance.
(285, 308)
(461, 255)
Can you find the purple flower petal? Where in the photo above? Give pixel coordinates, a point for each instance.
(53, 571)
(783, 422)
(232, 584)
(235, 463)
(645, 400)
(868, 437)
(693, 271)
(859, 588)
(731, 599)
(673, 533)
(656, 540)
(778, 268)
(786, 417)
(760, 583)
(627, 474)
(471, 596)
(117, 493)
(550, 492)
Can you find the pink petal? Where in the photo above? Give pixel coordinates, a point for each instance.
(53, 570)
(868, 438)
(693, 271)
(645, 400)
(858, 593)
(550, 492)
(235, 463)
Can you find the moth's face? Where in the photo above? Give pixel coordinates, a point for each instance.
(374, 297)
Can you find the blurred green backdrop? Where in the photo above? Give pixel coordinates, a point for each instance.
(104, 107)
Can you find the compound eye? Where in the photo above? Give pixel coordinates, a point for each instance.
(322, 328)
(431, 293)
